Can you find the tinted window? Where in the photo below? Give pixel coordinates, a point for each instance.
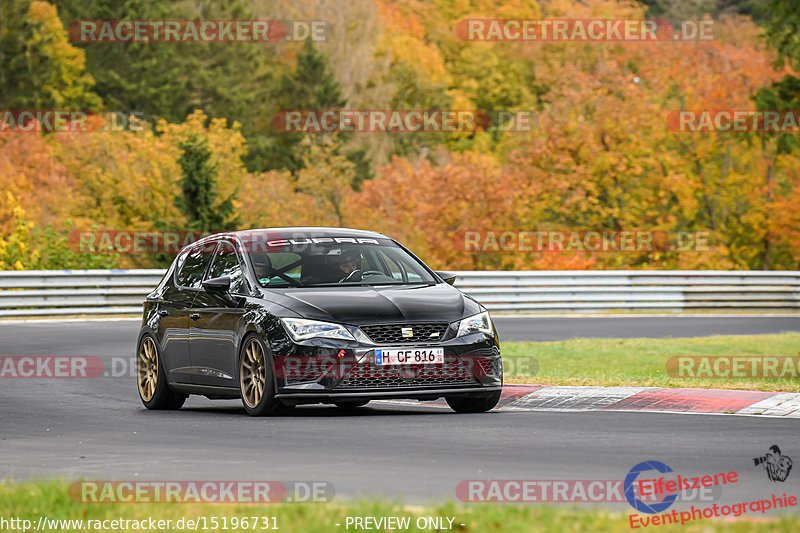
(308, 260)
(281, 266)
(399, 266)
(226, 263)
(193, 265)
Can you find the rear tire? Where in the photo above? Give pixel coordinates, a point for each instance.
(472, 404)
(256, 380)
(352, 404)
(152, 380)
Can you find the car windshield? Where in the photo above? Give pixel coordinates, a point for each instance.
(308, 261)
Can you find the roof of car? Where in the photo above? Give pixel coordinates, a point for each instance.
(319, 231)
(304, 231)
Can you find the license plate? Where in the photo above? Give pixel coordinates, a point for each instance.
(410, 356)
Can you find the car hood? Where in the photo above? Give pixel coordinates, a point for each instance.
(365, 305)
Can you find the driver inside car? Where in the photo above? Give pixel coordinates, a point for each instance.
(349, 266)
(263, 267)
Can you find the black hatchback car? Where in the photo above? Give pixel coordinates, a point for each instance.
(287, 316)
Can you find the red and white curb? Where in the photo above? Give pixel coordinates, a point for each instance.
(671, 400)
(650, 399)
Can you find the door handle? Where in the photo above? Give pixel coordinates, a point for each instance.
(163, 312)
(194, 316)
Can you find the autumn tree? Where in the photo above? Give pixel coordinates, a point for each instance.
(271, 199)
(40, 184)
(16, 250)
(326, 176)
(599, 153)
(129, 179)
(39, 69)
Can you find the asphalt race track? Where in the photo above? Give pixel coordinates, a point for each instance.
(560, 328)
(52, 332)
(97, 428)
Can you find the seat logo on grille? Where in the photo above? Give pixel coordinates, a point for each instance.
(407, 332)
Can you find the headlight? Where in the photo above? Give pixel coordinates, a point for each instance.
(480, 322)
(301, 329)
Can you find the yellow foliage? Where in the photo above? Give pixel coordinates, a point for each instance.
(130, 178)
(16, 252)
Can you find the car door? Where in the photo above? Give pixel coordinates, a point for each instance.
(214, 328)
(173, 310)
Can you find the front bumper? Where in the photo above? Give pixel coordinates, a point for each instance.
(320, 370)
(426, 394)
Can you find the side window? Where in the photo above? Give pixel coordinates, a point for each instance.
(268, 265)
(192, 266)
(400, 266)
(226, 263)
(394, 269)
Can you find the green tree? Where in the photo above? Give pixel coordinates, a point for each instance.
(688, 9)
(782, 31)
(56, 251)
(312, 86)
(326, 177)
(170, 80)
(198, 200)
(39, 69)
(783, 95)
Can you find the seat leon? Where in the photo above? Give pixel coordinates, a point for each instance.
(287, 316)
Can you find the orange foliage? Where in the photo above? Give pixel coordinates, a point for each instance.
(31, 172)
(428, 207)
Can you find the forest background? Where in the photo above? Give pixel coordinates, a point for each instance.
(597, 157)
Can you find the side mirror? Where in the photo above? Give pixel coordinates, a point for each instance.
(448, 277)
(220, 285)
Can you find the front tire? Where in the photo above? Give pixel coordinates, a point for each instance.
(473, 404)
(256, 382)
(152, 380)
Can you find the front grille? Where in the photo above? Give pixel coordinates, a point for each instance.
(490, 367)
(489, 361)
(368, 375)
(394, 333)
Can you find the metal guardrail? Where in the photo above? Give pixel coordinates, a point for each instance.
(633, 290)
(75, 292)
(114, 292)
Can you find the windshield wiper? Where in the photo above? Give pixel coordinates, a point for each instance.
(370, 284)
(378, 283)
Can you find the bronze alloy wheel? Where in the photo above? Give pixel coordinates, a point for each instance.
(252, 380)
(147, 365)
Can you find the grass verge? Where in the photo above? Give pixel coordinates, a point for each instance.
(30, 500)
(642, 362)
